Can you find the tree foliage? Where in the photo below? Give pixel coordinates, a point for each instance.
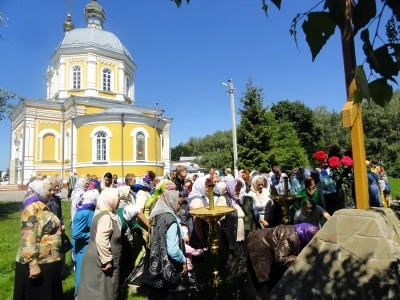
(253, 134)
(302, 118)
(382, 133)
(6, 107)
(330, 129)
(266, 139)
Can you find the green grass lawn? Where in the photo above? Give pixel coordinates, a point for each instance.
(395, 184)
(10, 214)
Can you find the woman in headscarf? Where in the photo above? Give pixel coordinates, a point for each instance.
(163, 186)
(38, 265)
(198, 228)
(233, 230)
(262, 202)
(101, 261)
(167, 261)
(125, 196)
(270, 252)
(143, 195)
(81, 231)
(128, 216)
(76, 197)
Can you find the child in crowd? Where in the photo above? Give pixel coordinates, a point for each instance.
(190, 252)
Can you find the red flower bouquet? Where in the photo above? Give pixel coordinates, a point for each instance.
(320, 156)
(340, 167)
(347, 161)
(334, 162)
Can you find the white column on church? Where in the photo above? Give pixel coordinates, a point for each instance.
(29, 143)
(91, 89)
(166, 149)
(133, 89)
(62, 84)
(75, 146)
(121, 82)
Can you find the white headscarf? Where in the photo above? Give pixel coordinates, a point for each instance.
(90, 197)
(199, 188)
(36, 187)
(130, 212)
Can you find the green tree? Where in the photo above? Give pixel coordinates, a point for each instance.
(180, 150)
(253, 136)
(382, 133)
(331, 129)
(286, 151)
(302, 118)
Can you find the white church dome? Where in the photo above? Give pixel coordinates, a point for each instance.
(93, 37)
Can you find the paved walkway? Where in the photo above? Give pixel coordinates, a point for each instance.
(18, 196)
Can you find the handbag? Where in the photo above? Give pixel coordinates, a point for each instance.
(66, 244)
(136, 276)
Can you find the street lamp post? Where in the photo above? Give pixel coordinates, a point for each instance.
(231, 92)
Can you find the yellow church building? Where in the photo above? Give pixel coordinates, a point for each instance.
(89, 122)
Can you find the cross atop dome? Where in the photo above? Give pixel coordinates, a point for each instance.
(68, 25)
(95, 15)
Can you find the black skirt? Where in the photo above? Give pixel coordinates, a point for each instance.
(46, 287)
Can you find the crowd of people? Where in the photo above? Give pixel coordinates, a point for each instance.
(141, 232)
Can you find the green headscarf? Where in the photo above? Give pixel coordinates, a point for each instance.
(164, 185)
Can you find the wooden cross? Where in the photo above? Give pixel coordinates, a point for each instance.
(351, 113)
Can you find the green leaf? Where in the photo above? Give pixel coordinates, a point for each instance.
(178, 2)
(362, 82)
(264, 7)
(358, 96)
(364, 12)
(318, 28)
(277, 3)
(336, 11)
(382, 62)
(381, 92)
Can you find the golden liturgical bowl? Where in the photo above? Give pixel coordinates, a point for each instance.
(205, 212)
(286, 200)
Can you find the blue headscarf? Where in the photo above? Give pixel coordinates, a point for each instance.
(305, 232)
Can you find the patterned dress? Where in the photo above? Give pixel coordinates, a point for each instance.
(40, 243)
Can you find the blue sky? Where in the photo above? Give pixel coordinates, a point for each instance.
(182, 55)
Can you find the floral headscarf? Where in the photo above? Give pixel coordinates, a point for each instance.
(94, 185)
(145, 180)
(168, 202)
(305, 232)
(230, 189)
(108, 201)
(162, 187)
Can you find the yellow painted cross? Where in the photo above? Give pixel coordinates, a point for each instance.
(351, 113)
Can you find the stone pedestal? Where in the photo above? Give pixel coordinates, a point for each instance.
(356, 255)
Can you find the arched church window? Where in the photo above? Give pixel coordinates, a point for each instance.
(101, 146)
(140, 146)
(127, 86)
(107, 79)
(76, 77)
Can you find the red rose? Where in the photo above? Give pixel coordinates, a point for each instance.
(334, 162)
(347, 161)
(320, 156)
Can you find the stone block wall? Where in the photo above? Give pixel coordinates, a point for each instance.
(355, 255)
